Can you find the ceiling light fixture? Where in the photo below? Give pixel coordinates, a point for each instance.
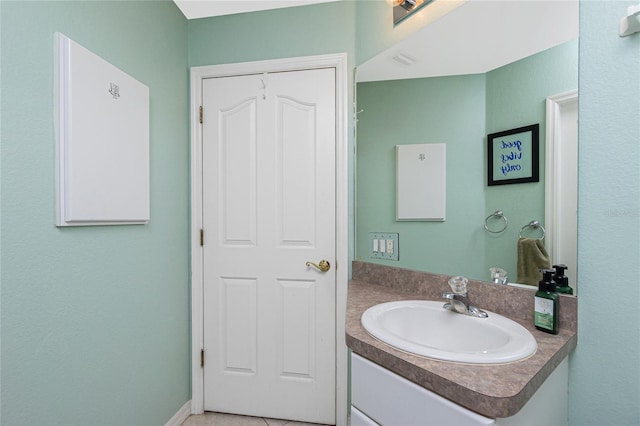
(406, 4)
(402, 9)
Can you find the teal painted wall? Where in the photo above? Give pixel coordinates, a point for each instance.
(271, 34)
(447, 110)
(95, 320)
(459, 111)
(604, 370)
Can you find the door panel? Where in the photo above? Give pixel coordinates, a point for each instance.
(237, 173)
(268, 208)
(237, 322)
(297, 147)
(297, 324)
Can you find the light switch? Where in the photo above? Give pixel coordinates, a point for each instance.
(383, 246)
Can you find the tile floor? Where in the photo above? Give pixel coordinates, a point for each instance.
(221, 419)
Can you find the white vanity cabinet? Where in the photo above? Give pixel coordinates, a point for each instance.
(381, 397)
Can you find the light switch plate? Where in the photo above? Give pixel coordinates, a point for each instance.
(383, 246)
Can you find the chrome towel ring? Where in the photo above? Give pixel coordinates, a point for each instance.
(535, 225)
(497, 215)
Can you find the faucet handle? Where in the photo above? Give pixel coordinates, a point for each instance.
(458, 284)
(498, 276)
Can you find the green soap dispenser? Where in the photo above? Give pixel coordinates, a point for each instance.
(546, 304)
(562, 282)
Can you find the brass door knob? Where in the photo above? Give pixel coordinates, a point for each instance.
(323, 266)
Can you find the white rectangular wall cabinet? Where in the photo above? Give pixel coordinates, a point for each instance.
(421, 182)
(102, 119)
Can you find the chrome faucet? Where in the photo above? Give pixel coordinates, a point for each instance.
(459, 299)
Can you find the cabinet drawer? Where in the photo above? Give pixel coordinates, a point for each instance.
(391, 400)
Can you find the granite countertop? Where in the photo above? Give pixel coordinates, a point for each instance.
(491, 390)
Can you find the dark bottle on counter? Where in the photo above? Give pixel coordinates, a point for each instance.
(562, 282)
(546, 304)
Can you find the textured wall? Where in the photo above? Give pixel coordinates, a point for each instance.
(95, 320)
(604, 370)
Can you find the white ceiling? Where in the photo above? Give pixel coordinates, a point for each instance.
(476, 37)
(193, 9)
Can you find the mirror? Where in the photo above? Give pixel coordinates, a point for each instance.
(483, 68)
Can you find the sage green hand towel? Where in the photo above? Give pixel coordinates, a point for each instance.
(532, 256)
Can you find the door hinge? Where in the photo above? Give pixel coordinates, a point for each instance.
(201, 358)
(200, 114)
(201, 237)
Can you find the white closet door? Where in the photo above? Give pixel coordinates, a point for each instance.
(268, 209)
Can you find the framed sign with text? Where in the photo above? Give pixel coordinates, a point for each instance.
(514, 156)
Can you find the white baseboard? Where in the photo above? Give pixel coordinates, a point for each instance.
(182, 414)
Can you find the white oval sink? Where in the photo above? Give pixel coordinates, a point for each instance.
(424, 327)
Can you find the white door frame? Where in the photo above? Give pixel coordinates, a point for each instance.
(553, 172)
(198, 74)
